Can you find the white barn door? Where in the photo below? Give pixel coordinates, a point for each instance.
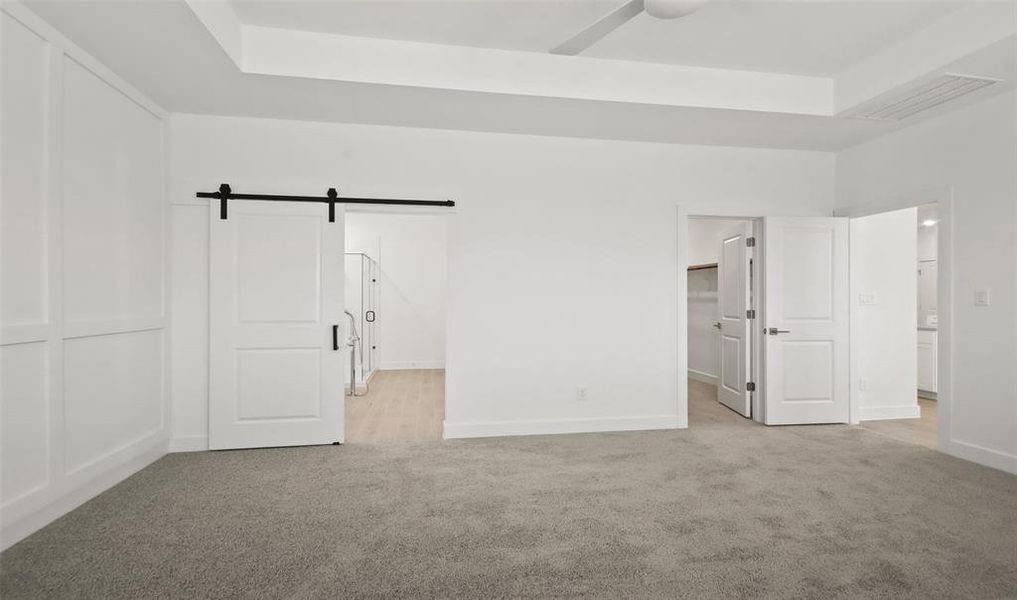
(734, 300)
(276, 291)
(807, 320)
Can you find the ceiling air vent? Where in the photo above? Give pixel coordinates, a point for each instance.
(911, 101)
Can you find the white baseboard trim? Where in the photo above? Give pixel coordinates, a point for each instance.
(983, 456)
(701, 376)
(883, 413)
(555, 426)
(399, 365)
(189, 443)
(35, 520)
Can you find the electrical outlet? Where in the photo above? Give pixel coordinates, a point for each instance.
(581, 394)
(982, 298)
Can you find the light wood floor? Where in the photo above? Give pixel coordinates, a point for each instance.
(705, 409)
(409, 406)
(400, 406)
(923, 431)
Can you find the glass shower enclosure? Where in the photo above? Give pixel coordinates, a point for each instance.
(362, 301)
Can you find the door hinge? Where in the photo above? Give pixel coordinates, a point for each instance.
(750, 242)
(750, 386)
(750, 314)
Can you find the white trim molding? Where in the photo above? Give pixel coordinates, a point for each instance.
(398, 365)
(883, 413)
(985, 456)
(126, 463)
(556, 426)
(703, 377)
(190, 443)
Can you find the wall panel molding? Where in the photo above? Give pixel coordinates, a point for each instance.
(28, 517)
(61, 46)
(122, 386)
(24, 334)
(79, 329)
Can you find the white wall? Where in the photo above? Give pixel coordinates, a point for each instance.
(927, 242)
(704, 239)
(969, 158)
(412, 255)
(82, 398)
(563, 254)
(884, 289)
(704, 311)
(928, 280)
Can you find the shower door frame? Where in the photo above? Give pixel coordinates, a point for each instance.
(368, 330)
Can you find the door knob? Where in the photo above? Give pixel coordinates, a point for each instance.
(717, 325)
(775, 331)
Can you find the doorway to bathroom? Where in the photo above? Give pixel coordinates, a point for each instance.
(396, 274)
(895, 322)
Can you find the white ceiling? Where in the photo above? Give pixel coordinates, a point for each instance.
(507, 24)
(927, 212)
(735, 34)
(799, 37)
(163, 49)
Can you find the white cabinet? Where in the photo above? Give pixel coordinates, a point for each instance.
(927, 360)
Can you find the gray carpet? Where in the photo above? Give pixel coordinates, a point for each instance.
(722, 510)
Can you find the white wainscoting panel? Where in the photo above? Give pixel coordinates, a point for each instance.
(25, 419)
(24, 175)
(112, 394)
(82, 329)
(112, 209)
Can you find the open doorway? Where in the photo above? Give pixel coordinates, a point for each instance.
(395, 304)
(782, 319)
(895, 281)
(721, 312)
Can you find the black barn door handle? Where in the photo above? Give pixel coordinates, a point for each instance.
(335, 337)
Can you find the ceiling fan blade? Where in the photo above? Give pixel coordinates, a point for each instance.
(589, 36)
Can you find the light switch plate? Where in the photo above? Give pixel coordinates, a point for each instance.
(982, 298)
(867, 298)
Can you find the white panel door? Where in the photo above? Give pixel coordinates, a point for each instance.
(276, 292)
(734, 300)
(807, 320)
